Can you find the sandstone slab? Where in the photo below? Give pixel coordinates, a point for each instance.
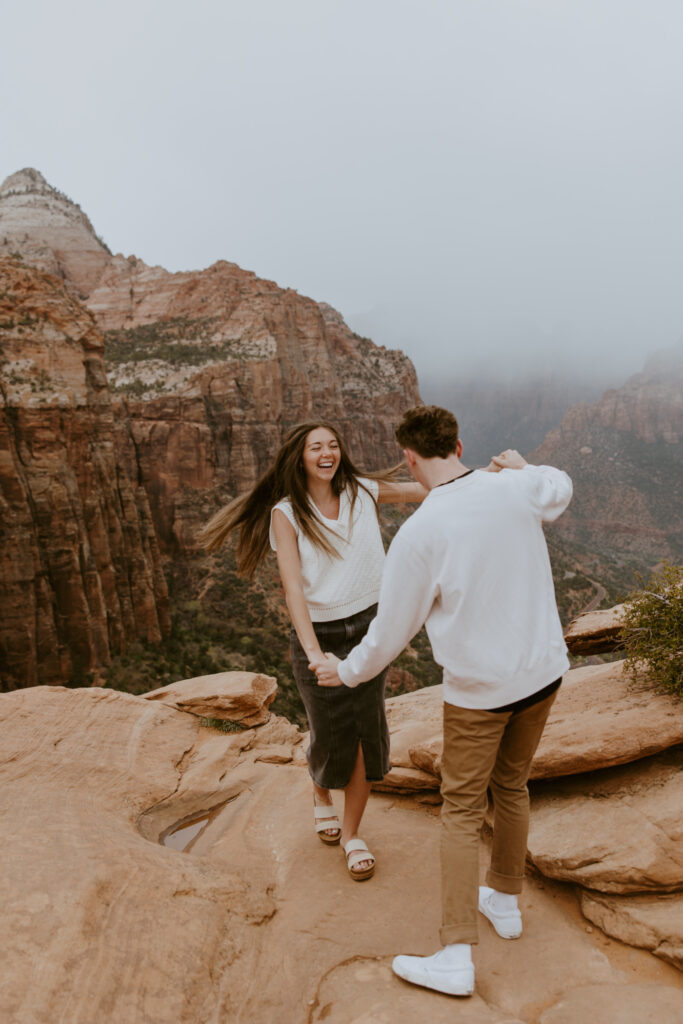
(278, 730)
(406, 780)
(415, 725)
(278, 753)
(617, 1004)
(257, 920)
(326, 954)
(242, 697)
(366, 991)
(89, 779)
(596, 632)
(653, 922)
(617, 831)
(333, 941)
(599, 719)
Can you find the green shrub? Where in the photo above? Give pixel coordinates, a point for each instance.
(222, 724)
(653, 629)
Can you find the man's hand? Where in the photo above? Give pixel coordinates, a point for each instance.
(509, 459)
(326, 671)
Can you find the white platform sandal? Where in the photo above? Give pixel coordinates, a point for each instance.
(356, 851)
(328, 813)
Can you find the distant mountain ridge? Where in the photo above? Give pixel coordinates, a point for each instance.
(625, 454)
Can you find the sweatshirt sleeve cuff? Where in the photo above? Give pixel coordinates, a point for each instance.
(345, 675)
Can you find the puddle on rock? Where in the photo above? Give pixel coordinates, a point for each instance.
(182, 835)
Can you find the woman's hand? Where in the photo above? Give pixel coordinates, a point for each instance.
(509, 459)
(326, 670)
(315, 660)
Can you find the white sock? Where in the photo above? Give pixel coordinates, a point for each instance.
(503, 902)
(457, 954)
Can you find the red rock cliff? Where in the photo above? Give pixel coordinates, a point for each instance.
(210, 367)
(223, 364)
(80, 573)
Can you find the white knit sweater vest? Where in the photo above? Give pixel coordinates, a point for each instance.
(335, 588)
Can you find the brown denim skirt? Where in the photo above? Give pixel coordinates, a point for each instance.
(341, 717)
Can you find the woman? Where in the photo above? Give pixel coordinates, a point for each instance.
(320, 516)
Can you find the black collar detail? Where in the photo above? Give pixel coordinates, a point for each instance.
(461, 477)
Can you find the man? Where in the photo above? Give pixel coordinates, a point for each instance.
(472, 564)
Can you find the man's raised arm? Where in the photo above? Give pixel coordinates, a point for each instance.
(406, 595)
(549, 489)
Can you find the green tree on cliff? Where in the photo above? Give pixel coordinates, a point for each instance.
(653, 629)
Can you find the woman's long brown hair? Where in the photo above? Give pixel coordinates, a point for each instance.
(250, 513)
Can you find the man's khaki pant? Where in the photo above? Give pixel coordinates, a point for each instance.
(483, 749)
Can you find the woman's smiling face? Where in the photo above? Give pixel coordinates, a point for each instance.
(321, 456)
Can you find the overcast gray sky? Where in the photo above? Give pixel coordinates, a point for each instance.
(460, 178)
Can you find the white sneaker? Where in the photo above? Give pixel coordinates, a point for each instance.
(507, 923)
(437, 972)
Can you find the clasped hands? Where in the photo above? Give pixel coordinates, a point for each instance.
(325, 669)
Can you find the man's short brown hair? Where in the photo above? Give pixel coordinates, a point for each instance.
(429, 430)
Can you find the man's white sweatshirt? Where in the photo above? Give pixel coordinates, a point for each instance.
(472, 565)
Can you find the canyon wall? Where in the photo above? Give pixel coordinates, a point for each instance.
(625, 455)
(210, 370)
(80, 572)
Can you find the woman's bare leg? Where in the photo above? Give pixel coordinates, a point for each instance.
(355, 798)
(322, 798)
